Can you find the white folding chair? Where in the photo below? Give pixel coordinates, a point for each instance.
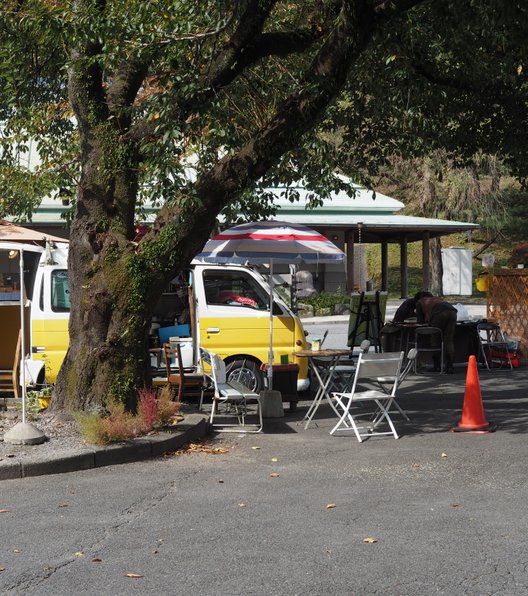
(386, 383)
(346, 369)
(369, 368)
(230, 398)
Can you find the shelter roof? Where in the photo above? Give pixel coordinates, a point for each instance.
(10, 232)
(374, 213)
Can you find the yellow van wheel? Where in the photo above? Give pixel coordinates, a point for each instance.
(247, 372)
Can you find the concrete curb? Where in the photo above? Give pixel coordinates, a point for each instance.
(193, 427)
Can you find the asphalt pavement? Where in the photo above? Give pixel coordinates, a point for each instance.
(293, 510)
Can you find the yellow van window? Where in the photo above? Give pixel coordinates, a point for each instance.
(60, 291)
(234, 288)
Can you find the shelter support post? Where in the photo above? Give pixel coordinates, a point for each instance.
(349, 239)
(425, 261)
(384, 266)
(404, 277)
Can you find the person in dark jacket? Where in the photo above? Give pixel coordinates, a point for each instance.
(438, 313)
(407, 308)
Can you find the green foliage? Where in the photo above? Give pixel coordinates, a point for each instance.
(326, 301)
(36, 401)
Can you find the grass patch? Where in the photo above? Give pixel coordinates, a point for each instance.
(118, 424)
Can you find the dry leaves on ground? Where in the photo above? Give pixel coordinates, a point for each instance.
(201, 447)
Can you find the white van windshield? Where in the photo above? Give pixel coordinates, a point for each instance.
(234, 288)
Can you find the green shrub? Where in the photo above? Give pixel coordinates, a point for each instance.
(118, 424)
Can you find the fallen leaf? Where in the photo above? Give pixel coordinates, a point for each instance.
(2, 568)
(274, 459)
(79, 553)
(62, 505)
(155, 552)
(97, 560)
(241, 504)
(455, 505)
(330, 506)
(4, 510)
(176, 418)
(444, 455)
(16, 550)
(416, 466)
(10, 455)
(274, 475)
(220, 482)
(370, 540)
(255, 447)
(133, 575)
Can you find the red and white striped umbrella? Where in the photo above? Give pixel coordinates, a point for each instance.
(261, 242)
(269, 242)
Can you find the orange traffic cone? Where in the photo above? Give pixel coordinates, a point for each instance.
(473, 418)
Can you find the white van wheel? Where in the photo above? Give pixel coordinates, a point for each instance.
(246, 372)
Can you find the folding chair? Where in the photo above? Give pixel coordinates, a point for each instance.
(429, 342)
(346, 369)
(493, 346)
(231, 398)
(369, 368)
(179, 376)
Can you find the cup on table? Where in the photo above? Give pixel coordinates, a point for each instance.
(316, 344)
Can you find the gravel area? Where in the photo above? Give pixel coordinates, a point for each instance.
(62, 434)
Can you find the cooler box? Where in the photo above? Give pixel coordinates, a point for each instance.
(165, 333)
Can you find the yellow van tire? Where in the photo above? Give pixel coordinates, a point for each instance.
(247, 372)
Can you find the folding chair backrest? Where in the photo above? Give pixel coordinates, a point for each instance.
(364, 346)
(411, 357)
(219, 369)
(323, 339)
(490, 332)
(217, 366)
(373, 366)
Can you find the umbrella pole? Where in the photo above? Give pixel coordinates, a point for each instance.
(270, 354)
(22, 335)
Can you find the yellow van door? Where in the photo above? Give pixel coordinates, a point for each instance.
(50, 316)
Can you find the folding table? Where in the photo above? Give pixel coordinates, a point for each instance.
(323, 364)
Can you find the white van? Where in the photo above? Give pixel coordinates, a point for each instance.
(224, 308)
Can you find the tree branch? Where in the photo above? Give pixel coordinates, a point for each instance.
(124, 88)
(353, 30)
(247, 46)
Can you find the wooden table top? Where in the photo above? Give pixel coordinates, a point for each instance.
(324, 353)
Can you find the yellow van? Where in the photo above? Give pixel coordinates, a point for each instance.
(223, 308)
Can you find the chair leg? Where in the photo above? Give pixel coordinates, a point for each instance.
(385, 415)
